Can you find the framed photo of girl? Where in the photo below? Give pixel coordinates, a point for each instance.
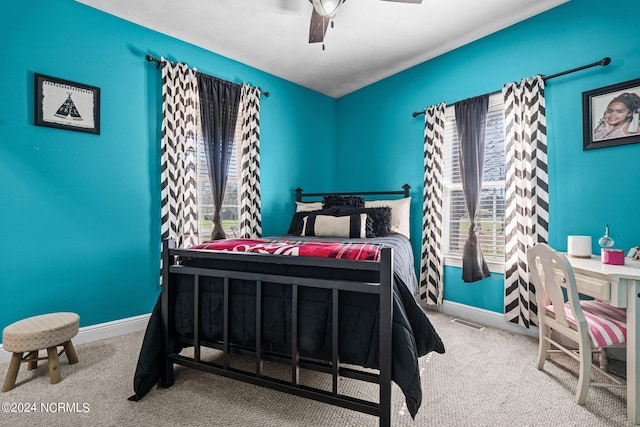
(610, 115)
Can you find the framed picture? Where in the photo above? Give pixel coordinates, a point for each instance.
(67, 105)
(610, 115)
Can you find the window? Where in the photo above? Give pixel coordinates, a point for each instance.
(230, 212)
(491, 212)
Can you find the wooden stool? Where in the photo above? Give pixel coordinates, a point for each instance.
(47, 331)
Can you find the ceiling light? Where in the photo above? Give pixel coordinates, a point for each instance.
(327, 7)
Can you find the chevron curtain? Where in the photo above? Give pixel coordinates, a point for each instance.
(527, 197)
(178, 154)
(250, 216)
(431, 260)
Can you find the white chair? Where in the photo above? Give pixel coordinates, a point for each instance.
(593, 325)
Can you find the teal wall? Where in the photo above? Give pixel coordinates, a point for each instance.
(79, 213)
(587, 189)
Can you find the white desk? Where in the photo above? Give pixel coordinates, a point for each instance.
(618, 285)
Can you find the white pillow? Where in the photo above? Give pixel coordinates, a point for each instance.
(308, 206)
(400, 213)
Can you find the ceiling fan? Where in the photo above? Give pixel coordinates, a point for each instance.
(323, 13)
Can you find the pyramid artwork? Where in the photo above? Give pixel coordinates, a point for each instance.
(68, 109)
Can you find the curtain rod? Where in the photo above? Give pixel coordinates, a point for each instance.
(603, 62)
(160, 61)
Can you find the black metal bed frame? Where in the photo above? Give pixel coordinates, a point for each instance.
(379, 281)
(404, 192)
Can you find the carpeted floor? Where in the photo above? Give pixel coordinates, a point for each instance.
(486, 378)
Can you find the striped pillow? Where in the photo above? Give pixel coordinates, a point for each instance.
(336, 226)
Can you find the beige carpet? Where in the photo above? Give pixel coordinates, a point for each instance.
(486, 378)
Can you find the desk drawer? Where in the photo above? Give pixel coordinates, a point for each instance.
(592, 286)
(597, 288)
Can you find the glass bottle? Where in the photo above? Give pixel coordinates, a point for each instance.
(606, 241)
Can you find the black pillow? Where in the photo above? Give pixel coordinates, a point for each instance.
(337, 226)
(330, 200)
(295, 227)
(380, 217)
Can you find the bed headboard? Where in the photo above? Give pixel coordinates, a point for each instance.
(404, 192)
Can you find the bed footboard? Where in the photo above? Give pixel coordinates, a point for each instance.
(379, 281)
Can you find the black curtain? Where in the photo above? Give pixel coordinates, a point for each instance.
(219, 102)
(471, 116)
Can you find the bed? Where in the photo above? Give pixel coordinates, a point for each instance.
(341, 304)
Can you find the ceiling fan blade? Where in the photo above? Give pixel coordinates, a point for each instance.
(290, 5)
(406, 1)
(318, 27)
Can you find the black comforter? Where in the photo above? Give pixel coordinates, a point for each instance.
(413, 335)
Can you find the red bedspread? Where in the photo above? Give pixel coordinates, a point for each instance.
(342, 250)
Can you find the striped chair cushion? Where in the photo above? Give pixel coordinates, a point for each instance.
(607, 324)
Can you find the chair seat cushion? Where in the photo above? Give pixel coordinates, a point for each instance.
(40, 332)
(607, 324)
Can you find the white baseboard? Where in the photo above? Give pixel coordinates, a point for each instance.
(482, 317)
(100, 331)
(497, 320)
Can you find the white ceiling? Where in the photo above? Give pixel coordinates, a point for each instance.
(371, 40)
